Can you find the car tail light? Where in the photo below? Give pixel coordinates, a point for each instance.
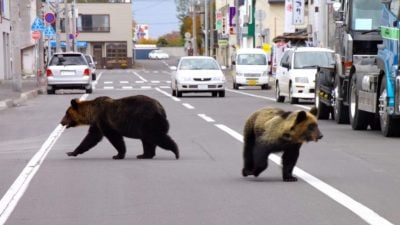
(49, 72)
(86, 72)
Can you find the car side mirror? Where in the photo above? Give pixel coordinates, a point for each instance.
(285, 64)
(173, 68)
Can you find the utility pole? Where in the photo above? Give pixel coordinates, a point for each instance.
(206, 28)
(237, 22)
(212, 13)
(66, 16)
(194, 41)
(73, 9)
(58, 27)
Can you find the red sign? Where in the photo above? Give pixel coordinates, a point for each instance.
(36, 35)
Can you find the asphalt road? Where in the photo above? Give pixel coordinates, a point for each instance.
(349, 177)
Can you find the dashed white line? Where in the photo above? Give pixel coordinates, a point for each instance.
(127, 87)
(206, 118)
(187, 105)
(108, 87)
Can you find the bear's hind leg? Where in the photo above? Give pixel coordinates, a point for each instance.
(166, 142)
(248, 166)
(289, 159)
(149, 150)
(117, 140)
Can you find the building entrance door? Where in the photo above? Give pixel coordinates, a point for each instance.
(98, 55)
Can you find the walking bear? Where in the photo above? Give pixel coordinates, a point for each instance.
(271, 130)
(139, 117)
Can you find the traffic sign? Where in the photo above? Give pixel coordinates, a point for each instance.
(49, 17)
(49, 31)
(37, 24)
(36, 35)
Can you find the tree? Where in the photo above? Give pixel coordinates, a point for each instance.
(182, 7)
(171, 39)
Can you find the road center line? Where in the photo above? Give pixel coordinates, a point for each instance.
(187, 105)
(11, 198)
(206, 118)
(167, 94)
(357, 208)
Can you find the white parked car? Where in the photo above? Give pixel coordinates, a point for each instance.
(68, 70)
(158, 54)
(295, 74)
(92, 65)
(198, 74)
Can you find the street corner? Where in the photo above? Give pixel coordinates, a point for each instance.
(23, 97)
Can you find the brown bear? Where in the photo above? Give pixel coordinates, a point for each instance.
(271, 130)
(139, 117)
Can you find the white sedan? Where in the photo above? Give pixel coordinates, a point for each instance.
(158, 54)
(198, 74)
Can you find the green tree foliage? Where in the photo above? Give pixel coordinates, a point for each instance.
(182, 7)
(172, 39)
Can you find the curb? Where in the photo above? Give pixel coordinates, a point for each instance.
(9, 103)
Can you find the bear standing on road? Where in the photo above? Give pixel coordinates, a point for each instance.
(270, 130)
(139, 117)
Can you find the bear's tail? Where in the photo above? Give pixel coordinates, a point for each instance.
(166, 142)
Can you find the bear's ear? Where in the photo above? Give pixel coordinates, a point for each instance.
(74, 103)
(301, 116)
(314, 111)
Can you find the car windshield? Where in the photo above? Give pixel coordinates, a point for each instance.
(65, 60)
(304, 60)
(198, 64)
(251, 59)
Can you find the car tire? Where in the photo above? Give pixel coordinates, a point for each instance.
(173, 92)
(221, 94)
(93, 76)
(51, 91)
(278, 96)
(214, 93)
(89, 90)
(178, 93)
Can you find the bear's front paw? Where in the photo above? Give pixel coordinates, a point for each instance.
(71, 154)
(118, 157)
(246, 172)
(289, 179)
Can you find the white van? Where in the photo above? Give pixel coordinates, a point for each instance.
(251, 68)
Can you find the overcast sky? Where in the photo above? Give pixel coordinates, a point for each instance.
(160, 15)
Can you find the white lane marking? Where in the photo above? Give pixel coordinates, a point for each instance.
(108, 82)
(155, 81)
(165, 87)
(357, 208)
(11, 198)
(108, 87)
(140, 77)
(206, 118)
(127, 87)
(263, 97)
(168, 95)
(140, 82)
(124, 82)
(145, 87)
(187, 105)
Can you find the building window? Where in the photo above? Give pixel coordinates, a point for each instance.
(116, 50)
(94, 23)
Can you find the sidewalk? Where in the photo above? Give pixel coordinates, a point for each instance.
(11, 98)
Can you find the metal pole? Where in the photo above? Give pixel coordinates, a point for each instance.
(74, 25)
(66, 16)
(237, 22)
(194, 42)
(58, 27)
(206, 27)
(212, 13)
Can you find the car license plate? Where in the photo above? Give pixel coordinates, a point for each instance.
(202, 86)
(252, 82)
(67, 73)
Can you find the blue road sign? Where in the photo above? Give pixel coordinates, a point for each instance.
(37, 24)
(49, 31)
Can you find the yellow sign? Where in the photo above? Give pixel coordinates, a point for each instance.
(267, 48)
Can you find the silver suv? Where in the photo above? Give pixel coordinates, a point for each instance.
(68, 70)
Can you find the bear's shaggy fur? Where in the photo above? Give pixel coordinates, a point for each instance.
(139, 117)
(270, 130)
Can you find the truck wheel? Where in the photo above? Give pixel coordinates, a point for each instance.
(340, 111)
(389, 126)
(358, 119)
(291, 99)
(278, 96)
